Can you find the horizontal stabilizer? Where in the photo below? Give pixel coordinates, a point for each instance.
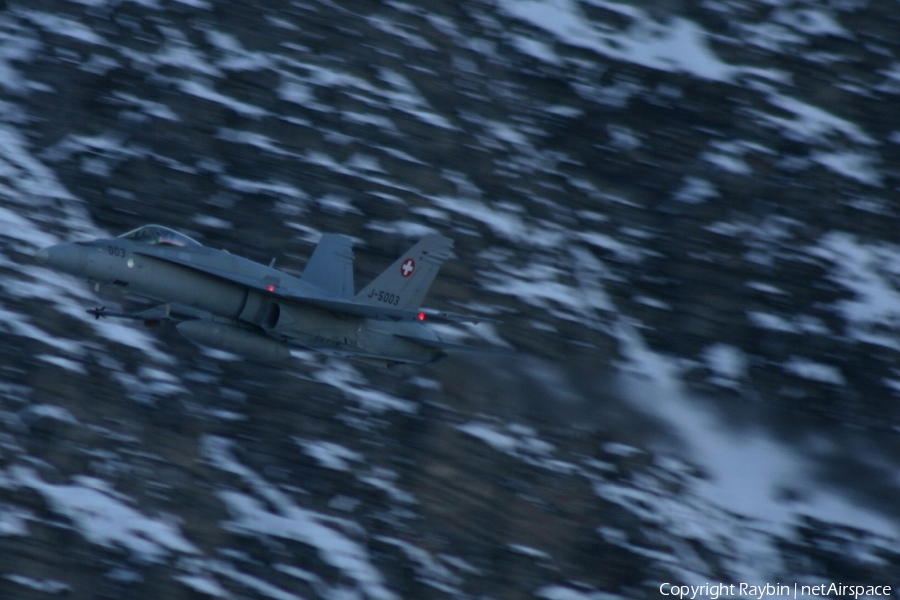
(450, 347)
(356, 309)
(451, 317)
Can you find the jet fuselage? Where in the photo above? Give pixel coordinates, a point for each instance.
(248, 298)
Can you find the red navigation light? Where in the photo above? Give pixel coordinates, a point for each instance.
(422, 316)
(270, 287)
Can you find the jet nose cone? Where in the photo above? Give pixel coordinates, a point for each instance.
(69, 258)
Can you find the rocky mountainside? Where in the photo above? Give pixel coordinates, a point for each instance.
(682, 216)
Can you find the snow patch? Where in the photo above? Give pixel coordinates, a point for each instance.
(104, 516)
(330, 455)
(342, 375)
(561, 592)
(678, 45)
(13, 519)
(814, 371)
(518, 441)
(47, 586)
(855, 165)
(747, 473)
(280, 517)
(871, 271)
(728, 364)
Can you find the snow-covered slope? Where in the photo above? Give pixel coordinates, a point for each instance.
(682, 216)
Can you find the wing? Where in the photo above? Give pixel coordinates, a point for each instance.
(449, 347)
(371, 311)
(356, 309)
(198, 265)
(451, 317)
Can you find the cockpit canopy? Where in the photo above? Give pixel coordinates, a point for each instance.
(157, 235)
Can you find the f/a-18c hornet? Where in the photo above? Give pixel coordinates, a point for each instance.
(230, 303)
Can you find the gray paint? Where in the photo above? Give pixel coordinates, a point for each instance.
(232, 338)
(255, 310)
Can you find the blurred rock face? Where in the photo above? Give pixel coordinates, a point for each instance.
(682, 217)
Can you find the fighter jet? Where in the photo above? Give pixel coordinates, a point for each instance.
(222, 301)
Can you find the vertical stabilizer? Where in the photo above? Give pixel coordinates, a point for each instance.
(405, 283)
(331, 265)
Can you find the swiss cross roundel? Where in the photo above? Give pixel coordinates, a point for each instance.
(407, 268)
